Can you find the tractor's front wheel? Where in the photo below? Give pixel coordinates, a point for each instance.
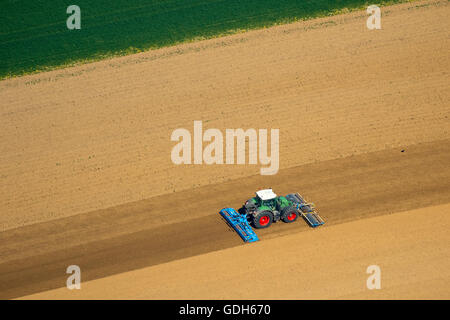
(263, 219)
(289, 215)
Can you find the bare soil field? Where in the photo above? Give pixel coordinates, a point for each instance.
(410, 248)
(138, 235)
(363, 115)
(98, 135)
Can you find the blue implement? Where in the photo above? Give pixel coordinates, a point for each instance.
(239, 223)
(313, 219)
(307, 210)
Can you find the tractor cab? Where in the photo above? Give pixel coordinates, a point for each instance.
(267, 198)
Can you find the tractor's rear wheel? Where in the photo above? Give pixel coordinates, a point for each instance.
(289, 214)
(263, 219)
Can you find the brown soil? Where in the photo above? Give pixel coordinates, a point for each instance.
(85, 152)
(151, 232)
(410, 248)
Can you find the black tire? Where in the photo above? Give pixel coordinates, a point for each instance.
(263, 219)
(242, 210)
(289, 214)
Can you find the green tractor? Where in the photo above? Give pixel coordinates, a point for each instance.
(267, 207)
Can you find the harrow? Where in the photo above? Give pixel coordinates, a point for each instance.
(266, 208)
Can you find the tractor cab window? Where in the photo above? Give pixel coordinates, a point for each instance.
(269, 203)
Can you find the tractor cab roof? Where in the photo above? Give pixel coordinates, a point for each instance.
(266, 194)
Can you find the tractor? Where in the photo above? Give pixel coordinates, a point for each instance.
(266, 207)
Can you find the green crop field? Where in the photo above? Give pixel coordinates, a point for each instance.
(34, 35)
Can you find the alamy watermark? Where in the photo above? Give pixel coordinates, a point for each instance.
(374, 280)
(374, 21)
(213, 152)
(74, 280)
(74, 20)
